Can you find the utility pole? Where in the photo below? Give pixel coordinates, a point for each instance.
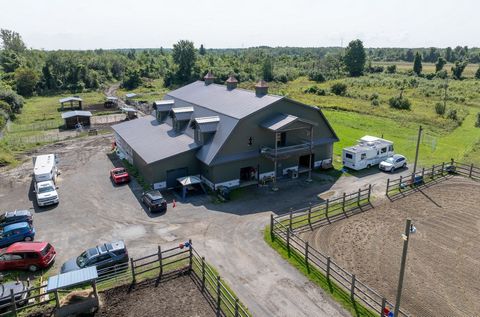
(420, 129)
(405, 237)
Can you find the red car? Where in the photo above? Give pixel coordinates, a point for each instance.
(27, 256)
(119, 175)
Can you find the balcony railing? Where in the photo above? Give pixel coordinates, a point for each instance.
(285, 151)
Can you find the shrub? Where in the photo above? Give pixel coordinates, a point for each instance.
(399, 103)
(477, 124)
(375, 102)
(441, 74)
(391, 69)
(12, 98)
(315, 90)
(339, 89)
(477, 73)
(440, 108)
(430, 76)
(317, 76)
(374, 69)
(452, 115)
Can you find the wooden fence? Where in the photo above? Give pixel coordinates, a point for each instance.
(314, 259)
(326, 212)
(407, 184)
(163, 264)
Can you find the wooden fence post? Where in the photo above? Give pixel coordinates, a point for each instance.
(306, 254)
(471, 171)
(369, 191)
(382, 310)
(236, 307)
(343, 204)
(288, 241)
(190, 255)
(400, 183)
(388, 185)
(443, 167)
(219, 296)
(328, 268)
(133, 270)
(310, 214)
(433, 171)
(203, 273)
(271, 227)
(423, 172)
(14, 304)
(352, 289)
(57, 299)
(160, 260)
(326, 209)
(358, 197)
(290, 219)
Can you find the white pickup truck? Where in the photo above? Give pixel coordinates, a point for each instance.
(46, 192)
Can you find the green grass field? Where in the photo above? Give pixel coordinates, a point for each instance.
(150, 91)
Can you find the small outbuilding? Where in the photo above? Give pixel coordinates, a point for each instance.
(75, 102)
(75, 118)
(110, 102)
(131, 113)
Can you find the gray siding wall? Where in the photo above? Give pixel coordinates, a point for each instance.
(157, 172)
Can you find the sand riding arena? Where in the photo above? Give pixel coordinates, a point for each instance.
(443, 263)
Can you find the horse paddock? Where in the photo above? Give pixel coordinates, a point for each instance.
(443, 263)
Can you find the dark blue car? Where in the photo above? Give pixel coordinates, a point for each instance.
(21, 231)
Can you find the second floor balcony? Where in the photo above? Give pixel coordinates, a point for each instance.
(284, 152)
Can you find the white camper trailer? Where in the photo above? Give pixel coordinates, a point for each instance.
(368, 152)
(45, 168)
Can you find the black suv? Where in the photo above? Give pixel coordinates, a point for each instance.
(154, 201)
(102, 256)
(11, 217)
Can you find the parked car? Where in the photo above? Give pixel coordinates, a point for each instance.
(393, 163)
(102, 256)
(119, 175)
(10, 217)
(154, 201)
(27, 256)
(20, 291)
(46, 193)
(16, 232)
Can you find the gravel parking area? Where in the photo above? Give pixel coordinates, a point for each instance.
(230, 235)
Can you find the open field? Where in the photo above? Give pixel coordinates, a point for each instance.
(444, 255)
(150, 91)
(402, 66)
(352, 116)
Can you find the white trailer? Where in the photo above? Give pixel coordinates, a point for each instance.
(45, 168)
(368, 152)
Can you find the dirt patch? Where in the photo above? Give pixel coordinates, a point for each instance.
(176, 297)
(443, 261)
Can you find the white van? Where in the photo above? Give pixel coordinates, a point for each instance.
(368, 152)
(45, 168)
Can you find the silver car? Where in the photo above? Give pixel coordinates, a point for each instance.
(392, 163)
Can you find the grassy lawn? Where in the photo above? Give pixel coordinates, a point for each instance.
(40, 116)
(317, 277)
(150, 91)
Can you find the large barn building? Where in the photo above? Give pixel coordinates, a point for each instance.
(226, 136)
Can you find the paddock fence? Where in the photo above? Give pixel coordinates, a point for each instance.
(326, 212)
(159, 266)
(405, 185)
(316, 261)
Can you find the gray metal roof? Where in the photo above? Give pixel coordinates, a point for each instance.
(130, 95)
(163, 102)
(73, 278)
(153, 141)
(112, 98)
(284, 122)
(75, 113)
(236, 103)
(68, 99)
(207, 124)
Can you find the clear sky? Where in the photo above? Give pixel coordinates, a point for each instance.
(90, 24)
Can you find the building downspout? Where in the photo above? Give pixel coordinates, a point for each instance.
(309, 179)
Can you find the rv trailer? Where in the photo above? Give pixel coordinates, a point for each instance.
(368, 152)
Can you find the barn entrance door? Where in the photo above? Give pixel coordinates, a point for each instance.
(172, 176)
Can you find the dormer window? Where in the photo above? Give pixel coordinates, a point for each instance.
(205, 128)
(163, 108)
(180, 117)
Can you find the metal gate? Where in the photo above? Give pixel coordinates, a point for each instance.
(172, 176)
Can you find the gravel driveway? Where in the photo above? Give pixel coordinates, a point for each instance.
(230, 235)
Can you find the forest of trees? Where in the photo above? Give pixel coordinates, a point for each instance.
(26, 72)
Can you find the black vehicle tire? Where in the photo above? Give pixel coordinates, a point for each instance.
(32, 268)
(368, 166)
(150, 208)
(404, 165)
(392, 170)
(27, 239)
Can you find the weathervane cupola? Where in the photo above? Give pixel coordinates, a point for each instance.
(209, 78)
(231, 82)
(261, 88)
